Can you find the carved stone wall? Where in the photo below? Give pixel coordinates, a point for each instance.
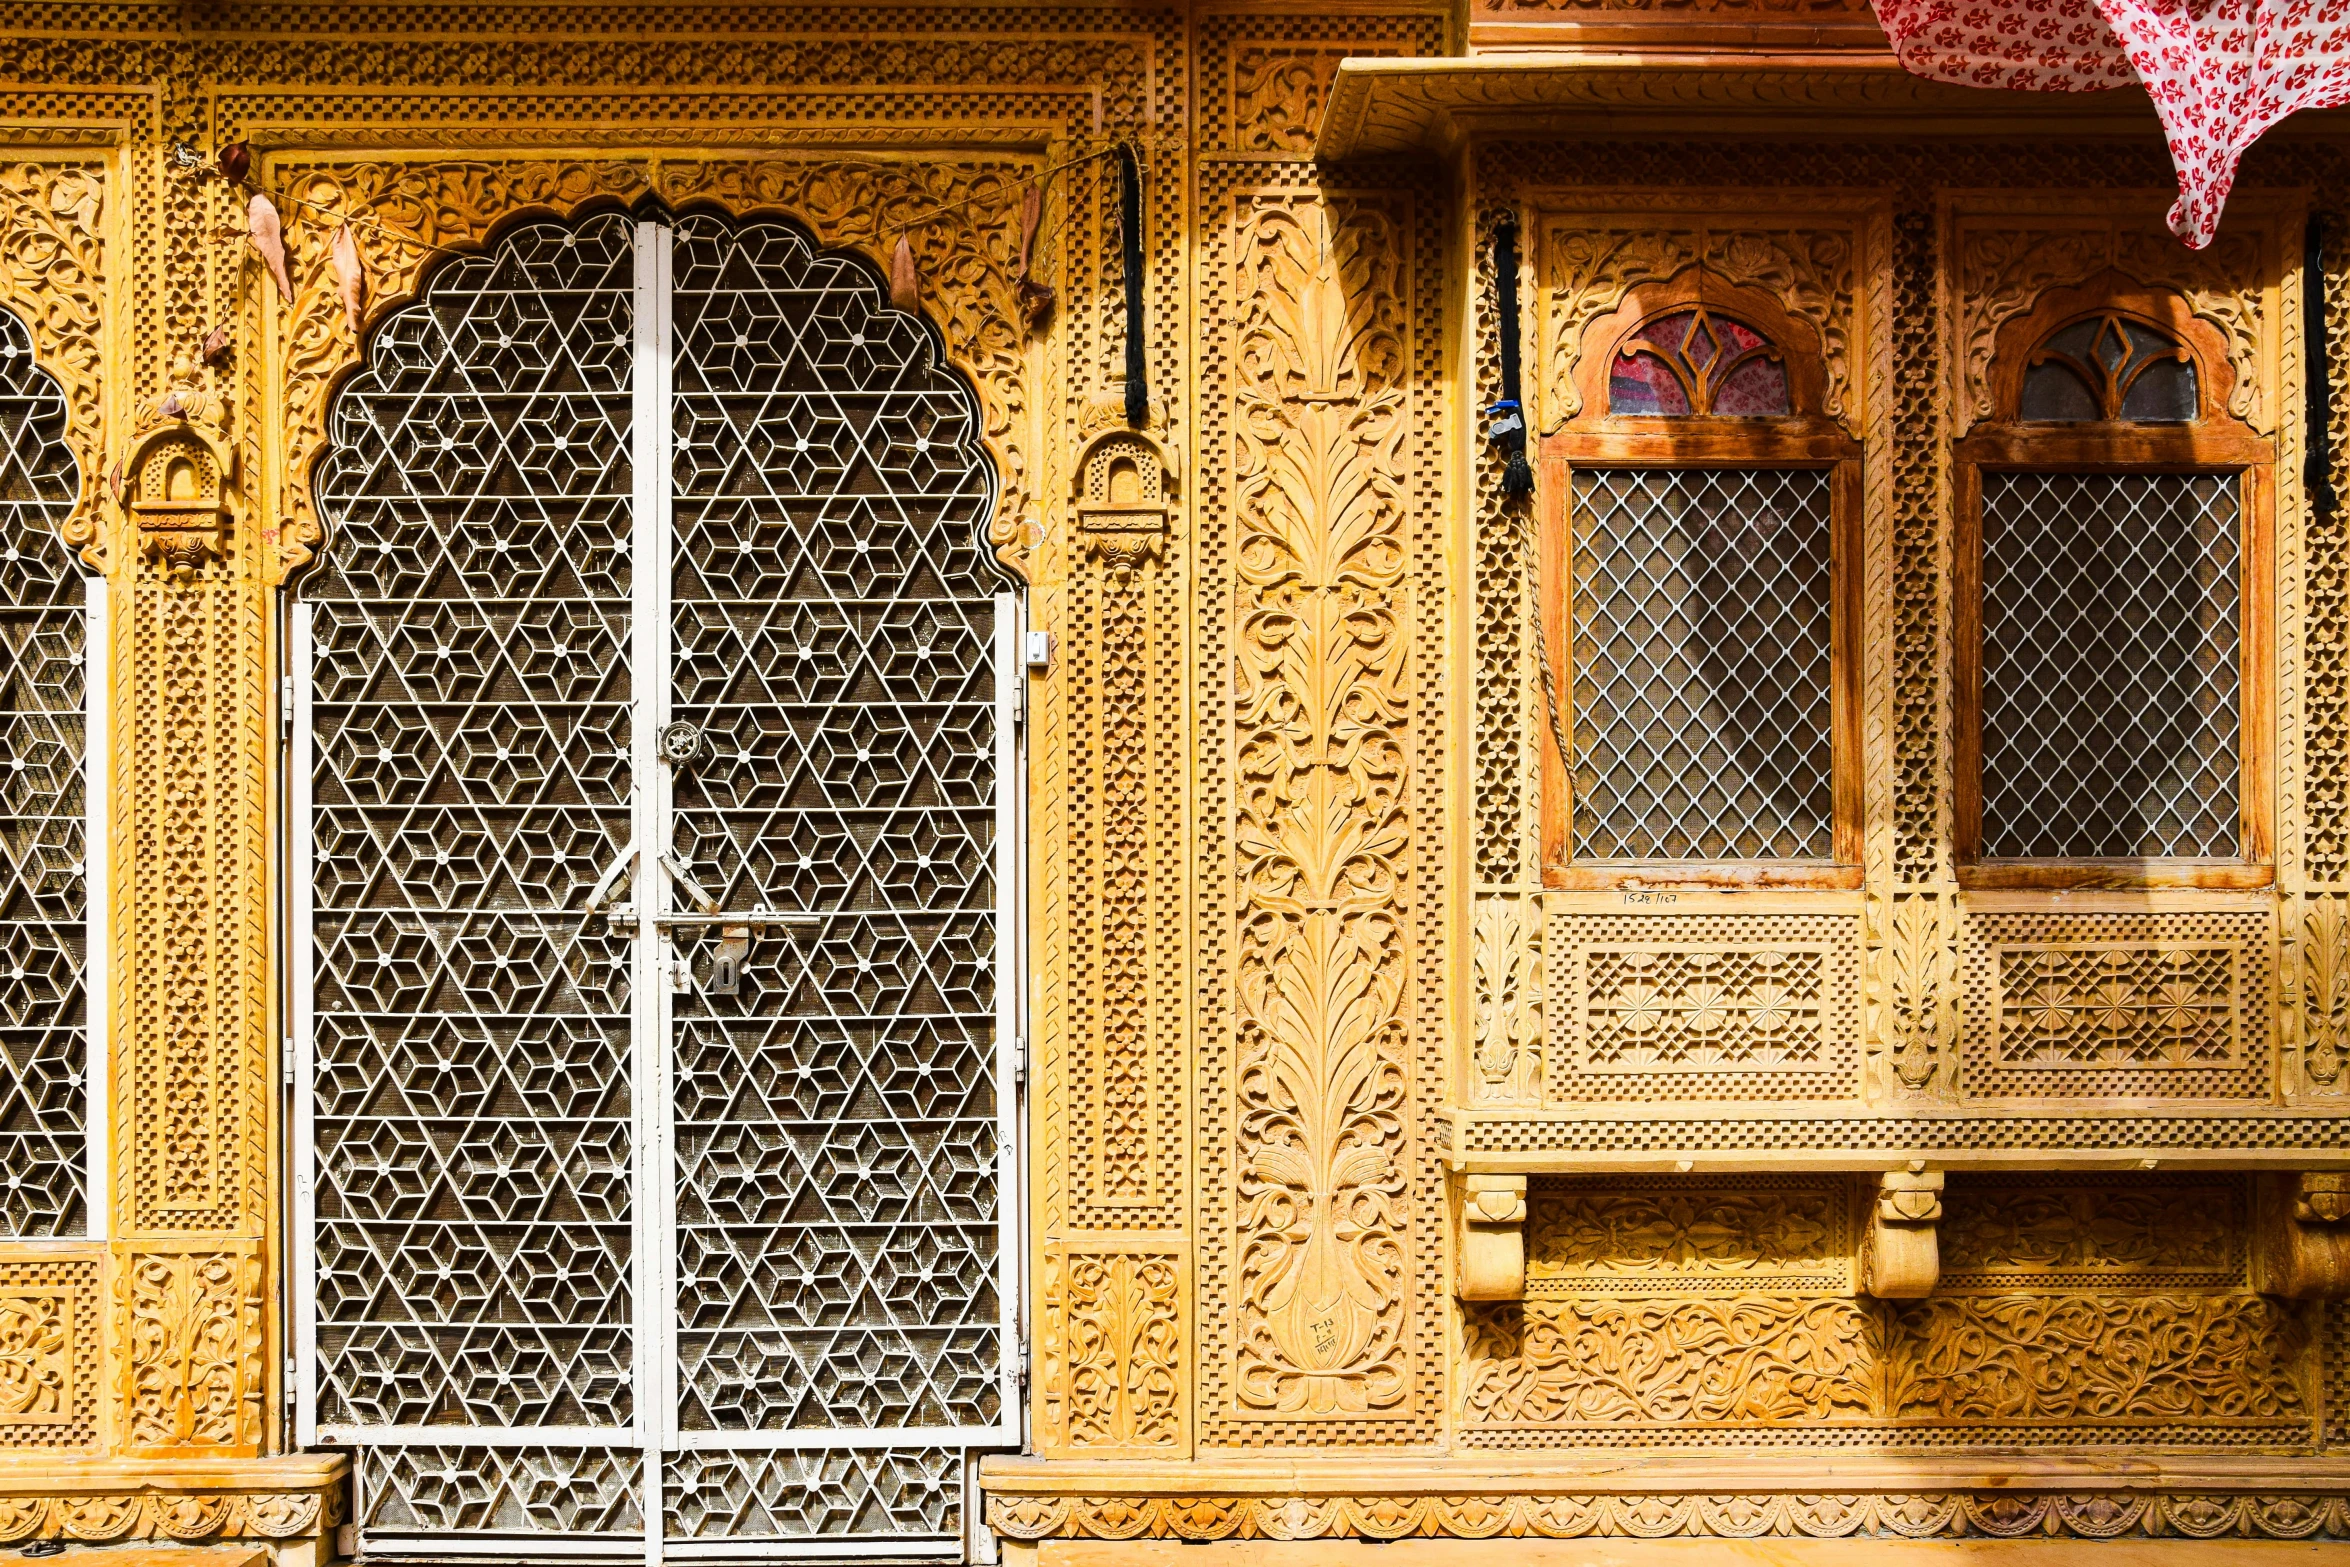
(1290, 964)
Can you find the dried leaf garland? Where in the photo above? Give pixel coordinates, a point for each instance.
(905, 283)
(269, 238)
(1036, 299)
(216, 346)
(350, 274)
(235, 161)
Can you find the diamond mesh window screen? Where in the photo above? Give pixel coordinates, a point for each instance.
(44, 903)
(1703, 624)
(2111, 665)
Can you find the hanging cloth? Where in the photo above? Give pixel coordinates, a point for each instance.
(2220, 72)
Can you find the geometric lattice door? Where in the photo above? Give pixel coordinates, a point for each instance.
(656, 1141)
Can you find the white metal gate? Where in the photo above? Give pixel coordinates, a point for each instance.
(654, 1017)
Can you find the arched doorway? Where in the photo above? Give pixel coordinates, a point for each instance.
(652, 762)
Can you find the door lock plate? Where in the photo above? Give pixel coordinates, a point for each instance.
(726, 961)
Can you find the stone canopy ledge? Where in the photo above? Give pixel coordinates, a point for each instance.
(289, 1503)
(1389, 107)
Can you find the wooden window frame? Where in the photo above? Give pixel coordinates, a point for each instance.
(1806, 438)
(2214, 442)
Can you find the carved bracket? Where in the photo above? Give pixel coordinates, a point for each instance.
(1125, 489)
(2301, 1237)
(1493, 1237)
(1901, 1256)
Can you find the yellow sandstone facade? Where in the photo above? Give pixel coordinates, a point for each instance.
(1393, 1161)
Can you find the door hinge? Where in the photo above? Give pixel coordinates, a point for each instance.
(285, 706)
(286, 1062)
(293, 1382)
(1024, 1368)
(1020, 1061)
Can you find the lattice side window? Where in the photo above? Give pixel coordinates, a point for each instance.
(2107, 663)
(2111, 652)
(1704, 708)
(52, 624)
(1702, 614)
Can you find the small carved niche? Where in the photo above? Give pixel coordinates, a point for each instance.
(1124, 496)
(178, 496)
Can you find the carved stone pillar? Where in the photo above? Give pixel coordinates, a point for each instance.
(1901, 1256)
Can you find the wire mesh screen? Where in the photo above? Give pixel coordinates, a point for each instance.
(2111, 642)
(832, 618)
(470, 728)
(43, 889)
(1703, 622)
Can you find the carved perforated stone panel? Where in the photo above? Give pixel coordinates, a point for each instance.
(44, 1047)
(832, 625)
(470, 728)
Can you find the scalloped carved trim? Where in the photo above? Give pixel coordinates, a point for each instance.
(967, 258)
(52, 275)
(2096, 1515)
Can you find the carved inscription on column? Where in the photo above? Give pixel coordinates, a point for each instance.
(1322, 1249)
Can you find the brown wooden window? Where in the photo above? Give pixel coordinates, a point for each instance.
(2113, 556)
(1698, 573)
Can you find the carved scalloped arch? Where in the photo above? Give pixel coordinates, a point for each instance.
(964, 231)
(52, 277)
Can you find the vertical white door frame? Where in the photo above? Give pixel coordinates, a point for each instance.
(302, 956)
(655, 1198)
(97, 907)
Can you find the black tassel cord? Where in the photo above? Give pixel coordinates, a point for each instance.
(2317, 476)
(1508, 430)
(1138, 392)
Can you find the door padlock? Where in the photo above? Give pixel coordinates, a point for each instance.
(726, 962)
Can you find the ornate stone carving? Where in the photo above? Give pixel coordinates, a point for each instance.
(1810, 256)
(189, 1320)
(53, 276)
(1506, 962)
(1320, 355)
(2301, 1236)
(1747, 1361)
(1689, 1234)
(1125, 493)
(1124, 1324)
(966, 243)
(2008, 251)
(2144, 1230)
(48, 1352)
(1699, 1007)
(1492, 1237)
(2117, 1005)
(1899, 1256)
(1594, 1512)
(177, 477)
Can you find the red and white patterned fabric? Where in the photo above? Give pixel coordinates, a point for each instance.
(2220, 72)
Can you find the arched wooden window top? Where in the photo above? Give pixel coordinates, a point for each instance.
(2109, 366)
(1692, 363)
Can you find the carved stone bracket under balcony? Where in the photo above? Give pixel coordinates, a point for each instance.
(2301, 1236)
(1901, 1256)
(1493, 1237)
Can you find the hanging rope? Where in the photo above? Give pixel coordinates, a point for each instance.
(2317, 474)
(1138, 392)
(1508, 435)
